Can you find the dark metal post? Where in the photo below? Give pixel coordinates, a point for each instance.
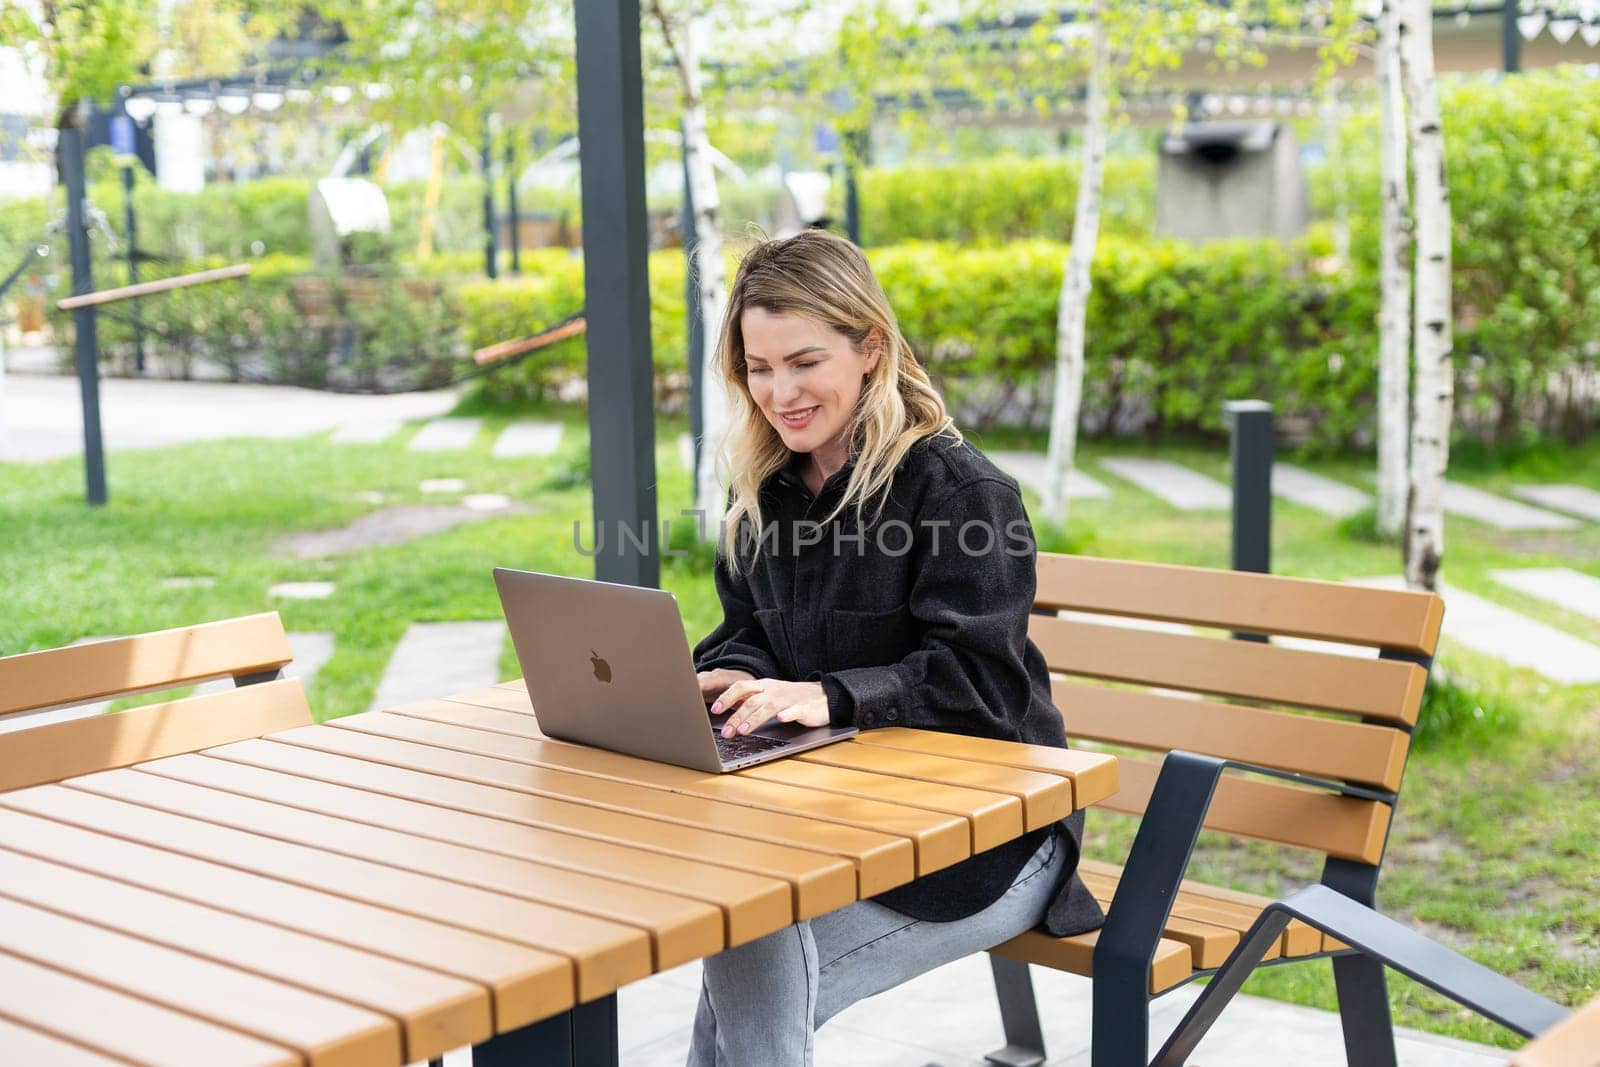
(696, 326)
(491, 251)
(616, 286)
(133, 262)
(1251, 425)
(1510, 37)
(511, 206)
(83, 319)
(853, 161)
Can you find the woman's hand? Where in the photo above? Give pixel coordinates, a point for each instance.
(714, 683)
(757, 700)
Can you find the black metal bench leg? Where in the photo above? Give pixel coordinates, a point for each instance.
(1364, 1011)
(1019, 1015)
(1121, 1035)
(586, 1036)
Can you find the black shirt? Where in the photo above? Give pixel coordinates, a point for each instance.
(918, 619)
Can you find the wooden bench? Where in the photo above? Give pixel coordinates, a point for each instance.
(252, 650)
(1300, 746)
(1573, 1042)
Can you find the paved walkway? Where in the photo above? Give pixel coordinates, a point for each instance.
(1185, 489)
(1029, 469)
(445, 435)
(41, 416)
(1500, 512)
(1576, 499)
(441, 657)
(1561, 586)
(1310, 490)
(948, 1016)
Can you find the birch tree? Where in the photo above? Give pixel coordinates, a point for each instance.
(1394, 279)
(1072, 311)
(1430, 427)
(680, 31)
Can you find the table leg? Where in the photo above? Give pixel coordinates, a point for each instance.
(586, 1036)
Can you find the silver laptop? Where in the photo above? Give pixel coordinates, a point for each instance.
(609, 665)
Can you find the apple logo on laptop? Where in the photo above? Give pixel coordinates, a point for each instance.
(602, 669)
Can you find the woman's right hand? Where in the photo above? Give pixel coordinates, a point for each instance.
(714, 683)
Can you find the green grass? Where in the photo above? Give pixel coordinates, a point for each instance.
(1494, 846)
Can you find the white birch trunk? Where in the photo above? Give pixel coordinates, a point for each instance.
(1072, 311)
(1394, 280)
(710, 492)
(1430, 428)
(1341, 186)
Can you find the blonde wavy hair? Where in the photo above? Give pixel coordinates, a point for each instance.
(826, 279)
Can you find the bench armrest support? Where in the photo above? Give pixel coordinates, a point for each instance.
(1373, 934)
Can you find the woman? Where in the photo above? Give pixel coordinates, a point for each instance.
(874, 570)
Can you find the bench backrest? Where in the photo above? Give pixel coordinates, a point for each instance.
(1573, 1042)
(1163, 634)
(251, 650)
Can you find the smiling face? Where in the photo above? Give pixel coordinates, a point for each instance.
(806, 378)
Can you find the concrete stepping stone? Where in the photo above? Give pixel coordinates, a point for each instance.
(1562, 586)
(1499, 512)
(1300, 486)
(1497, 631)
(301, 590)
(528, 439)
(442, 485)
(436, 658)
(365, 433)
(486, 502)
(1576, 499)
(1185, 489)
(377, 529)
(370, 496)
(445, 435)
(1029, 469)
(189, 581)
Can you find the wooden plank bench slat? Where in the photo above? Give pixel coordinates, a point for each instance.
(604, 955)
(1045, 798)
(1298, 940)
(62, 750)
(435, 1012)
(1233, 600)
(526, 983)
(818, 882)
(499, 760)
(247, 645)
(752, 905)
(1342, 826)
(1322, 748)
(1390, 690)
(127, 1027)
(1172, 966)
(325, 1032)
(680, 929)
(911, 839)
(19, 1044)
(1573, 1042)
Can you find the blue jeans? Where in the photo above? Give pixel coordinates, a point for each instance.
(761, 1002)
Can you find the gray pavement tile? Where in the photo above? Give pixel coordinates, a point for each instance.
(441, 657)
(1029, 469)
(378, 529)
(370, 432)
(1500, 512)
(528, 439)
(1185, 489)
(1576, 499)
(1497, 631)
(445, 435)
(1562, 586)
(1302, 487)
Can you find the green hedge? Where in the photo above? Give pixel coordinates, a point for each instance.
(1000, 200)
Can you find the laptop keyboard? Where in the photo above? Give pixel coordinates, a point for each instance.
(737, 748)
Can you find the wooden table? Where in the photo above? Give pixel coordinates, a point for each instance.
(388, 886)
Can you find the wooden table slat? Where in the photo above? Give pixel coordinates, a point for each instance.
(752, 904)
(821, 880)
(680, 929)
(527, 984)
(604, 955)
(1045, 797)
(22, 1045)
(932, 839)
(126, 1026)
(325, 1032)
(436, 1012)
(1093, 774)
